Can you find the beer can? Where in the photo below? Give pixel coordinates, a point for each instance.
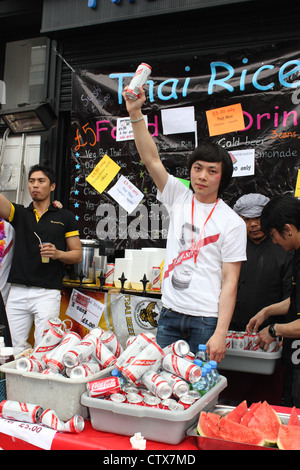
(134, 399)
(139, 79)
(28, 364)
(186, 401)
(181, 367)
(50, 419)
(179, 386)
(150, 401)
(256, 346)
(26, 412)
(129, 388)
(53, 321)
(155, 278)
(229, 341)
(195, 394)
(141, 363)
(103, 355)
(246, 340)
(117, 397)
(55, 362)
(180, 348)
(137, 345)
(272, 347)
(80, 352)
(103, 387)
(98, 332)
(85, 369)
(156, 384)
(51, 339)
(167, 403)
(238, 341)
(112, 343)
(109, 275)
(177, 407)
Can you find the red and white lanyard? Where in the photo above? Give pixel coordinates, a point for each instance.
(197, 247)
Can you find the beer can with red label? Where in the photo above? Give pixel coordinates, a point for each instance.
(179, 386)
(186, 401)
(53, 321)
(156, 384)
(155, 278)
(51, 339)
(50, 419)
(28, 364)
(180, 348)
(109, 276)
(134, 399)
(103, 355)
(26, 412)
(139, 79)
(181, 367)
(238, 341)
(229, 341)
(55, 362)
(118, 398)
(141, 363)
(103, 387)
(85, 369)
(112, 343)
(150, 401)
(81, 351)
(139, 343)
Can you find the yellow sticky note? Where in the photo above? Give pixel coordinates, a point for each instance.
(103, 173)
(297, 189)
(226, 119)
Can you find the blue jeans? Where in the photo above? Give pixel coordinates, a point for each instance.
(173, 326)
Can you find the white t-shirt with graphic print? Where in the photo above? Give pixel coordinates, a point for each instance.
(190, 288)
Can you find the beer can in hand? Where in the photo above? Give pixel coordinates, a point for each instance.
(139, 79)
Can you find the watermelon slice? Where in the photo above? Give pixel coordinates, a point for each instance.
(289, 437)
(265, 420)
(232, 431)
(207, 424)
(294, 418)
(247, 417)
(237, 413)
(212, 426)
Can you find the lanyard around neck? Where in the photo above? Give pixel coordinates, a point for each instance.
(197, 248)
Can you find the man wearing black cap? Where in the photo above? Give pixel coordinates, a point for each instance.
(265, 277)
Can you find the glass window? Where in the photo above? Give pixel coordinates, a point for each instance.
(24, 72)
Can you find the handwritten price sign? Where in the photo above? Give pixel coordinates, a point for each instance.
(225, 119)
(34, 434)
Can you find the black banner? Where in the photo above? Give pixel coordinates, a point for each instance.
(264, 79)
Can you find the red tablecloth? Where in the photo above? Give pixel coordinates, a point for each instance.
(90, 439)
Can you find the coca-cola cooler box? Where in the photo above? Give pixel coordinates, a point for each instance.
(59, 393)
(156, 424)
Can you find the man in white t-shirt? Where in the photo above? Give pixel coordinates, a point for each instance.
(205, 247)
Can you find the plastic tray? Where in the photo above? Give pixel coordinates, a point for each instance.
(256, 362)
(154, 424)
(209, 443)
(58, 393)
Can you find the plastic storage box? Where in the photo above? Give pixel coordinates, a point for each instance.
(58, 393)
(256, 362)
(154, 424)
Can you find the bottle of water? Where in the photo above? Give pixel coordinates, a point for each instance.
(201, 353)
(214, 371)
(209, 376)
(202, 385)
(117, 373)
(198, 362)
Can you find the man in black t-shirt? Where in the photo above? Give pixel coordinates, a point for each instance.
(280, 220)
(35, 285)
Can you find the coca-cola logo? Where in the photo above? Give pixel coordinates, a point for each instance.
(103, 384)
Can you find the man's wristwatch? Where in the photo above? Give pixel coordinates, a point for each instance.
(271, 331)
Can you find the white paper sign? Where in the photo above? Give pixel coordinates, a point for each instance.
(126, 194)
(243, 162)
(178, 120)
(35, 434)
(124, 129)
(84, 309)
